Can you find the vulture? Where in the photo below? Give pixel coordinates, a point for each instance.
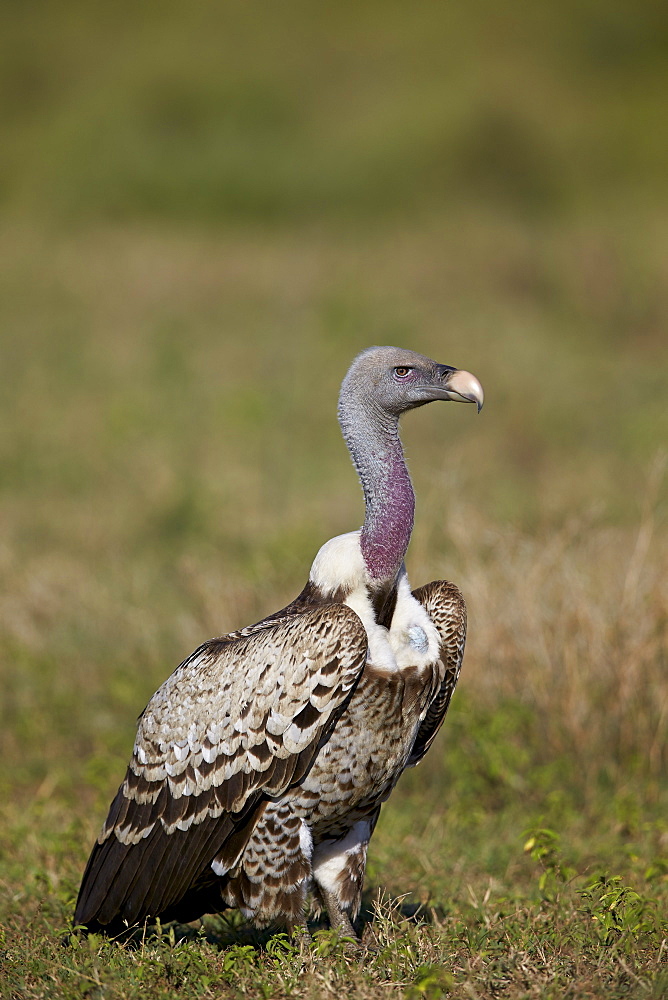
(261, 764)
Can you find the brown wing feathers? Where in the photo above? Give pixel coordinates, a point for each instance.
(239, 720)
(446, 607)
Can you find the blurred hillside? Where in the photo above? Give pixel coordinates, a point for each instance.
(254, 113)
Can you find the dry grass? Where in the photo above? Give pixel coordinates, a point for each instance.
(572, 624)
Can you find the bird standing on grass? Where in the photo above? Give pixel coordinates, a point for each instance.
(261, 764)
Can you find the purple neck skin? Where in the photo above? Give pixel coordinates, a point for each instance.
(373, 440)
(388, 521)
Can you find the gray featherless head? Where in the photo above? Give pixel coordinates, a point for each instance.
(393, 380)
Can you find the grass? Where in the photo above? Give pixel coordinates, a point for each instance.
(193, 249)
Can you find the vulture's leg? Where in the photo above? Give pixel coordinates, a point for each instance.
(338, 872)
(338, 918)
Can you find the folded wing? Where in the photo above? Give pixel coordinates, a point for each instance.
(241, 719)
(446, 608)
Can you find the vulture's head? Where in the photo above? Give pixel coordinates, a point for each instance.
(393, 380)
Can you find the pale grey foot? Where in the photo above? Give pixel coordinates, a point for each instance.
(338, 918)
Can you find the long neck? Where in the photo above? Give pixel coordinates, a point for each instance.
(372, 436)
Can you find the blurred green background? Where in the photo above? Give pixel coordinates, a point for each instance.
(254, 113)
(207, 211)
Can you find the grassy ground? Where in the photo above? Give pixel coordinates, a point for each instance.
(197, 239)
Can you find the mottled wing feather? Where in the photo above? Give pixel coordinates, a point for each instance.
(240, 719)
(446, 608)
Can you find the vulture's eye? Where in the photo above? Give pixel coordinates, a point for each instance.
(402, 372)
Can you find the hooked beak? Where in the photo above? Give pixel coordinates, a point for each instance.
(464, 387)
(455, 384)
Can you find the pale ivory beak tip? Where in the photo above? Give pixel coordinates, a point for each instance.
(467, 387)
